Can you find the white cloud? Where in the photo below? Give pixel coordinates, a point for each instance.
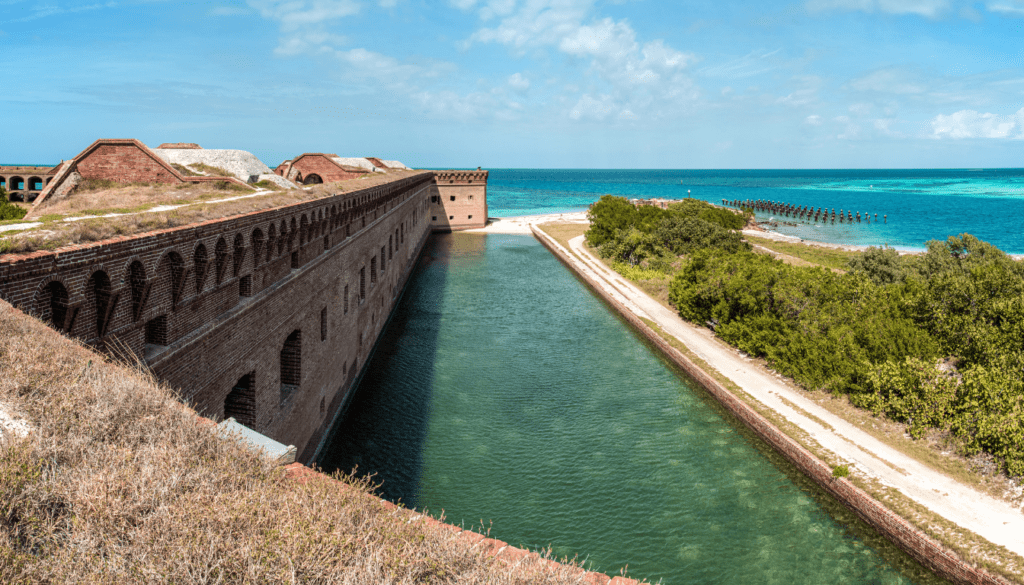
(295, 14)
(972, 124)
(813, 120)
(806, 94)
(749, 65)
(518, 82)
(926, 8)
(593, 108)
(1008, 8)
(311, 42)
(627, 75)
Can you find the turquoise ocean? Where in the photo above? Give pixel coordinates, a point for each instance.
(921, 205)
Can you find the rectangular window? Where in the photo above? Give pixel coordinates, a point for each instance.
(362, 284)
(295, 260)
(451, 217)
(323, 324)
(383, 260)
(433, 198)
(373, 271)
(346, 299)
(470, 217)
(453, 197)
(434, 218)
(470, 197)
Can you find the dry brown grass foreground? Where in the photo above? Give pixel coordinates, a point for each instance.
(121, 483)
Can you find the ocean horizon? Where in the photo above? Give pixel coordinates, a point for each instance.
(920, 204)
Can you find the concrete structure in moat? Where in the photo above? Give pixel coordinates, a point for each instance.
(24, 183)
(266, 317)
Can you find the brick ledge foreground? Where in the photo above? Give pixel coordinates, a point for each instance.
(899, 531)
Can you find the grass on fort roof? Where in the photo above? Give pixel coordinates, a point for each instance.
(199, 202)
(119, 482)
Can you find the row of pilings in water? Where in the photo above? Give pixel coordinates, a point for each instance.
(801, 212)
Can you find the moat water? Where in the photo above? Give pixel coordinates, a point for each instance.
(504, 393)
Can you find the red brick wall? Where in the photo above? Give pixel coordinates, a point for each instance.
(917, 544)
(123, 163)
(215, 335)
(460, 201)
(322, 166)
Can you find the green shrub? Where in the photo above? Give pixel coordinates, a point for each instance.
(841, 471)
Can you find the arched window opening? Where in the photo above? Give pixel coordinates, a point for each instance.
(383, 260)
(303, 230)
(373, 270)
(172, 268)
(220, 259)
(200, 264)
(291, 364)
(312, 179)
(100, 291)
(139, 288)
(271, 241)
(362, 284)
(282, 239)
(240, 403)
(239, 255)
(257, 246)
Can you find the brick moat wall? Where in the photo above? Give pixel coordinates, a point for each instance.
(267, 316)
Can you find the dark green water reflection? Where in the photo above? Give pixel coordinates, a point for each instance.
(505, 392)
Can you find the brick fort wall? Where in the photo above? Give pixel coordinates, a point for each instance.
(267, 317)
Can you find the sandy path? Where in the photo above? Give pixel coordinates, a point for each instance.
(992, 519)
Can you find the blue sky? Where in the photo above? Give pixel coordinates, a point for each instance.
(524, 83)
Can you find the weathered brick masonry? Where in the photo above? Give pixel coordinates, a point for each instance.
(267, 316)
(461, 200)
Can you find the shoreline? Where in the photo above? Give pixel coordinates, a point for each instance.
(520, 224)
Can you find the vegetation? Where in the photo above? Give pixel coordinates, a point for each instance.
(820, 255)
(9, 210)
(118, 482)
(841, 471)
(652, 238)
(935, 341)
(209, 170)
(185, 171)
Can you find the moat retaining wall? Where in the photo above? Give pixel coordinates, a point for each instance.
(266, 317)
(904, 535)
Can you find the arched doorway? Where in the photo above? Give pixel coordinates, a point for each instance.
(313, 179)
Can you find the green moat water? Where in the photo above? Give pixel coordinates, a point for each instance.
(503, 391)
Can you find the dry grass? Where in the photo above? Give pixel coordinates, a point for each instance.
(809, 254)
(562, 232)
(121, 483)
(201, 206)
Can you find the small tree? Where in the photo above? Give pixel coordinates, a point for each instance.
(3, 195)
